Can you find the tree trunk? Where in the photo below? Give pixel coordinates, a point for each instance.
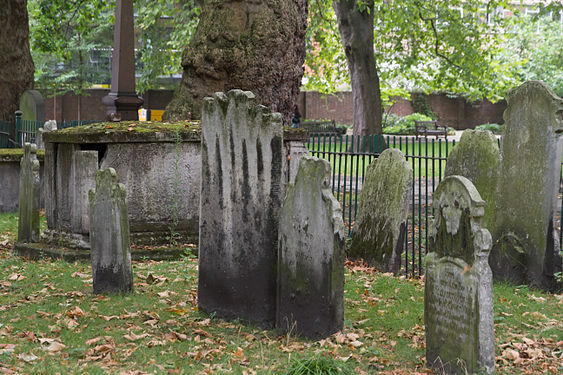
(255, 45)
(356, 31)
(16, 65)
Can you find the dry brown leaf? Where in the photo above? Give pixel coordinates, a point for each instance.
(133, 337)
(51, 345)
(201, 332)
(27, 357)
(75, 312)
(93, 341)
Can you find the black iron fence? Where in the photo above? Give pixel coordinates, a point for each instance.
(349, 157)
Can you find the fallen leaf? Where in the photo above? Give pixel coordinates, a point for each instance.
(51, 345)
(133, 337)
(28, 357)
(93, 341)
(201, 332)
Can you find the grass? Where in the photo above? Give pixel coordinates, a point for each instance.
(50, 322)
(427, 157)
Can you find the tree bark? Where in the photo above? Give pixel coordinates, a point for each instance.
(16, 64)
(255, 45)
(356, 31)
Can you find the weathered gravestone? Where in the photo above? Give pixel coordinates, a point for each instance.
(526, 246)
(29, 196)
(380, 229)
(47, 127)
(476, 157)
(311, 255)
(458, 296)
(33, 106)
(240, 200)
(110, 249)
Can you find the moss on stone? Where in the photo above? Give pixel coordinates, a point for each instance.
(15, 154)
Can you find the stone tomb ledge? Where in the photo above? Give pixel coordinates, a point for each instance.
(44, 250)
(160, 165)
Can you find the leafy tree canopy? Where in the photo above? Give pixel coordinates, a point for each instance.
(454, 46)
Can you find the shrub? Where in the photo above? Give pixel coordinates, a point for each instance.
(403, 125)
(495, 128)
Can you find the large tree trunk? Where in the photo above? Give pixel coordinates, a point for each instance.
(356, 31)
(255, 45)
(16, 65)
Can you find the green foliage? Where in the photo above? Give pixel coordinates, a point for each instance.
(166, 27)
(426, 45)
(62, 35)
(319, 364)
(495, 128)
(420, 105)
(403, 125)
(537, 43)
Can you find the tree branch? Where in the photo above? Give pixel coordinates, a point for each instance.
(437, 43)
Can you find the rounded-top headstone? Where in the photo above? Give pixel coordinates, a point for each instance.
(33, 106)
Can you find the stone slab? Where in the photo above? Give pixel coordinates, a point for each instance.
(311, 255)
(29, 196)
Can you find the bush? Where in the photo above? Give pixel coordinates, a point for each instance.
(495, 128)
(403, 125)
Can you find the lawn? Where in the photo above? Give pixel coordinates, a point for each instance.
(350, 155)
(50, 322)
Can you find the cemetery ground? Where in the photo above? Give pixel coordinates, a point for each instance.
(51, 322)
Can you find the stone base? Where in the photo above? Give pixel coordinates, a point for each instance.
(43, 250)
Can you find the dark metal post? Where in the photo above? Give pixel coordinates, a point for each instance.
(17, 127)
(122, 99)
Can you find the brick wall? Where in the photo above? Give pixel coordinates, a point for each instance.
(454, 112)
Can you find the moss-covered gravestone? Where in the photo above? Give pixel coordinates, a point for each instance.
(380, 229)
(476, 157)
(29, 195)
(110, 249)
(458, 296)
(240, 199)
(526, 246)
(311, 255)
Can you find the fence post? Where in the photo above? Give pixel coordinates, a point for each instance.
(17, 126)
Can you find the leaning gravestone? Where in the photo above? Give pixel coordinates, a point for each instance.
(380, 229)
(476, 157)
(240, 200)
(29, 195)
(526, 246)
(33, 106)
(458, 296)
(110, 249)
(311, 255)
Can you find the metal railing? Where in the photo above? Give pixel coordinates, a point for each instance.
(13, 134)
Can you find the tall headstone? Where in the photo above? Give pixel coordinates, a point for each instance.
(526, 246)
(110, 249)
(29, 195)
(311, 255)
(33, 106)
(477, 158)
(458, 296)
(380, 229)
(240, 200)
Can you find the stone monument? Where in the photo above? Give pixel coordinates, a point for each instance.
(33, 106)
(240, 199)
(380, 229)
(476, 157)
(110, 249)
(29, 196)
(527, 245)
(311, 255)
(458, 297)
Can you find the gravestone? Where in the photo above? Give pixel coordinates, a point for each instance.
(33, 106)
(239, 207)
(458, 296)
(110, 249)
(311, 255)
(380, 229)
(29, 196)
(526, 246)
(47, 127)
(476, 157)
